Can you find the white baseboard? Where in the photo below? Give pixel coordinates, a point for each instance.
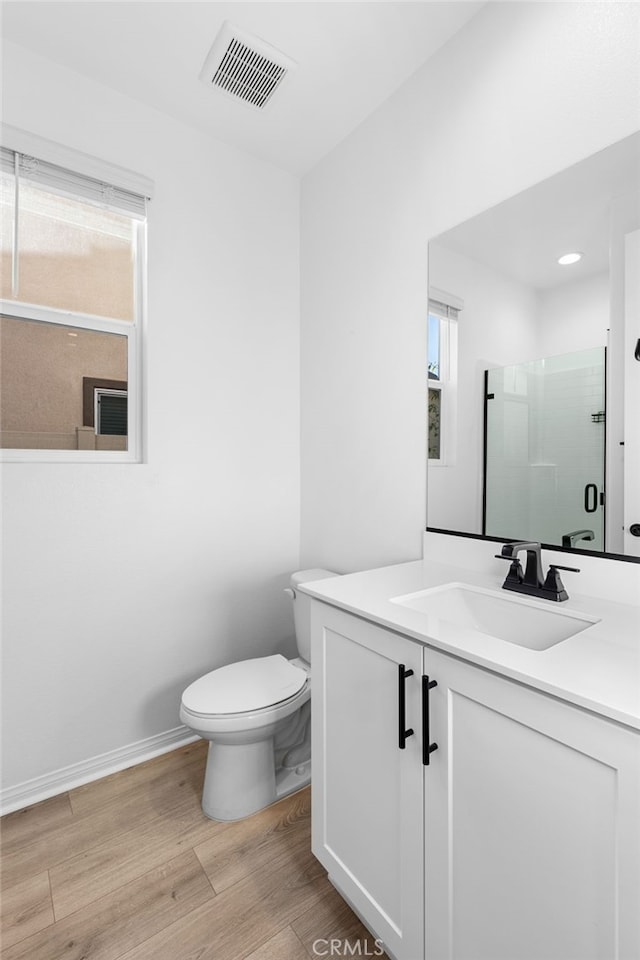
(59, 781)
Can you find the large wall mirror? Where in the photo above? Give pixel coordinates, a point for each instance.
(534, 363)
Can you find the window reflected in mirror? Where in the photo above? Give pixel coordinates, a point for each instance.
(442, 366)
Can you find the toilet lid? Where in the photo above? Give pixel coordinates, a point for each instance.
(244, 686)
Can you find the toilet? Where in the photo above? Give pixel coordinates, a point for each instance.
(256, 716)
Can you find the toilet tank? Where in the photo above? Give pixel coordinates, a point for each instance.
(302, 607)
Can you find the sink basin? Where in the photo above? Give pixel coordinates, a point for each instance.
(526, 623)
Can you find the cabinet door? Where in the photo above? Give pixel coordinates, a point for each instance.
(367, 792)
(532, 835)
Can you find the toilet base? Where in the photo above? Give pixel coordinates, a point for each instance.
(242, 779)
(239, 780)
(290, 780)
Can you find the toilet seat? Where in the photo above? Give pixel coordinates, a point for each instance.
(247, 686)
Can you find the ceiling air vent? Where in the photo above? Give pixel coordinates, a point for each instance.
(245, 66)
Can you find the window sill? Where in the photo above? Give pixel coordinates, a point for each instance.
(8, 455)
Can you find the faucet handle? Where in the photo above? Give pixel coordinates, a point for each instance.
(553, 585)
(516, 574)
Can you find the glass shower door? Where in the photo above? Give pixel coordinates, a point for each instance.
(544, 464)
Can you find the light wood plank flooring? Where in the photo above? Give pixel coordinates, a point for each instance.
(129, 868)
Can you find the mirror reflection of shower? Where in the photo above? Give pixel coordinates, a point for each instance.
(544, 444)
(516, 302)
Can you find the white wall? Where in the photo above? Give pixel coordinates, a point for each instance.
(617, 364)
(125, 582)
(523, 91)
(574, 316)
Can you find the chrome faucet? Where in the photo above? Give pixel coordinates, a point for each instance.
(533, 581)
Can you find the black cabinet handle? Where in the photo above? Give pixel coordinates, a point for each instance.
(403, 733)
(427, 747)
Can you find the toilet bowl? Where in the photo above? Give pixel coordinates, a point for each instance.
(256, 716)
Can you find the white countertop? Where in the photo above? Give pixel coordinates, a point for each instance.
(598, 668)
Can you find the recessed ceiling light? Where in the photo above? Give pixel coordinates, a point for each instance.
(568, 258)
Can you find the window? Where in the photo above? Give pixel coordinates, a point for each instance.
(442, 355)
(72, 295)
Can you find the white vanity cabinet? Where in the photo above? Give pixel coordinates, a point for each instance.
(520, 839)
(367, 793)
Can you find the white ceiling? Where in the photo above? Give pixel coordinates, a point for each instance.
(523, 237)
(351, 57)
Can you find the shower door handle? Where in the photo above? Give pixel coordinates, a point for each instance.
(403, 733)
(590, 498)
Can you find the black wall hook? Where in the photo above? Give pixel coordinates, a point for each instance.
(637, 352)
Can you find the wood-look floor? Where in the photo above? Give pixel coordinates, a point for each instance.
(129, 868)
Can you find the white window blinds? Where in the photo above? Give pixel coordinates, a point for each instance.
(444, 304)
(59, 179)
(441, 309)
